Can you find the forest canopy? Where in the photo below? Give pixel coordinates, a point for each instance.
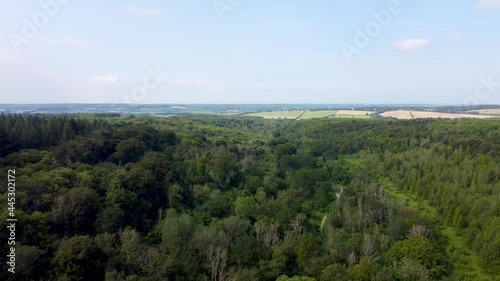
(240, 198)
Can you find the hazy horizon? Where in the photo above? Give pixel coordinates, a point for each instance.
(257, 103)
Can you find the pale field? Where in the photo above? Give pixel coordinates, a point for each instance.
(487, 111)
(353, 116)
(403, 114)
(277, 114)
(399, 114)
(354, 112)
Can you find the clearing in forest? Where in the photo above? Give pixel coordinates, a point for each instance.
(465, 260)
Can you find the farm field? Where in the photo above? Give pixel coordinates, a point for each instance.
(354, 112)
(302, 115)
(353, 116)
(404, 114)
(317, 114)
(278, 114)
(486, 111)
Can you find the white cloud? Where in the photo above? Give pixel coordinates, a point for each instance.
(7, 57)
(410, 45)
(427, 24)
(68, 41)
(142, 11)
(261, 86)
(488, 4)
(177, 81)
(205, 84)
(455, 36)
(76, 42)
(285, 22)
(87, 13)
(208, 84)
(104, 79)
(5, 53)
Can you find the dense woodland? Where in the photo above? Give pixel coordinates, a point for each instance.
(233, 198)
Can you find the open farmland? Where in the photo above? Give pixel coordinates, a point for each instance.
(486, 111)
(278, 114)
(317, 114)
(301, 115)
(354, 112)
(405, 114)
(353, 116)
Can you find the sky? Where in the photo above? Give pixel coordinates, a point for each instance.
(250, 51)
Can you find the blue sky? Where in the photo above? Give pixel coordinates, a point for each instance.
(250, 51)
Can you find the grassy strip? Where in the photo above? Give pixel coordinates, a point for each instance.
(465, 261)
(317, 114)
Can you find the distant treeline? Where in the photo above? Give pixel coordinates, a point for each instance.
(465, 108)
